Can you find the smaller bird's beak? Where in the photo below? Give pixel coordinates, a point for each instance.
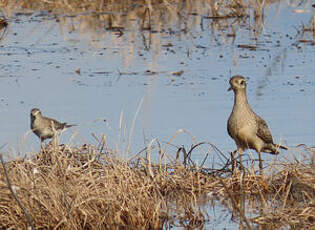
(229, 89)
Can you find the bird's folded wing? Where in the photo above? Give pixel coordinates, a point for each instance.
(263, 131)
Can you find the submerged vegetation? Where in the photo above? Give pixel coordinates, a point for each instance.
(85, 187)
(223, 18)
(148, 22)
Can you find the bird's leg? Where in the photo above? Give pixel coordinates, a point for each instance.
(233, 160)
(260, 163)
(41, 144)
(240, 151)
(43, 149)
(54, 140)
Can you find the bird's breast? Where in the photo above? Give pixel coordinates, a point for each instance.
(242, 120)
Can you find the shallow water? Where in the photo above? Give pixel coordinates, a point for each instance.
(83, 77)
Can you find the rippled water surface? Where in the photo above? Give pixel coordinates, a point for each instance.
(176, 77)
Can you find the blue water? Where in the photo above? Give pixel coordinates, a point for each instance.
(39, 59)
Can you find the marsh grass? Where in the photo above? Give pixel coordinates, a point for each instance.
(150, 18)
(130, 23)
(85, 187)
(126, 23)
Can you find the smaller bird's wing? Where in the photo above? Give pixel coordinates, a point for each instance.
(263, 130)
(58, 125)
(54, 124)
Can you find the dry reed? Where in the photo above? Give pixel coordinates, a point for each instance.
(85, 188)
(148, 22)
(173, 17)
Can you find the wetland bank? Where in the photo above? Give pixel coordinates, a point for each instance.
(158, 74)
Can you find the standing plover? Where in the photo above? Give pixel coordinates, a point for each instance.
(45, 127)
(248, 130)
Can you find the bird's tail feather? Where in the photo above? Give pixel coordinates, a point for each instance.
(282, 147)
(69, 125)
(274, 149)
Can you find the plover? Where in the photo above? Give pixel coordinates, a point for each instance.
(248, 130)
(44, 127)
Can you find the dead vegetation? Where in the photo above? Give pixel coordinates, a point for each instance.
(172, 17)
(150, 22)
(86, 188)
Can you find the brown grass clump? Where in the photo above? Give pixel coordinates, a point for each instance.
(293, 198)
(85, 188)
(64, 188)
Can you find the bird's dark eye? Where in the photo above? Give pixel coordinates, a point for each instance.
(242, 82)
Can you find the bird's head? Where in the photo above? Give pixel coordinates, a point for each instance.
(237, 82)
(35, 112)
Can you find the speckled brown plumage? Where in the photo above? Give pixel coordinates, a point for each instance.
(247, 128)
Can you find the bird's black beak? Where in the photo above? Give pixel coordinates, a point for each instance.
(229, 89)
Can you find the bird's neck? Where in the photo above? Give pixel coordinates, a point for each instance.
(33, 118)
(37, 118)
(240, 99)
